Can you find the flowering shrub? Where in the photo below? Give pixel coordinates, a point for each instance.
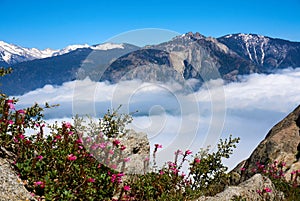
(206, 175)
(56, 166)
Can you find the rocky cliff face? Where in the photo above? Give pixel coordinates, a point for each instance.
(265, 52)
(281, 144)
(193, 55)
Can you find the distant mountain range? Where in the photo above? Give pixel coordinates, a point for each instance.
(187, 56)
(11, 54)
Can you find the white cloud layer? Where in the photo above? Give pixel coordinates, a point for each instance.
(177, 119)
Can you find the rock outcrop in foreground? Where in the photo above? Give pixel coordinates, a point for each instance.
(11, 186)
(281, 144)
(137, 149)
(248, 190)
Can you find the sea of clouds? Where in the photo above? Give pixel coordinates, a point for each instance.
(179, 118)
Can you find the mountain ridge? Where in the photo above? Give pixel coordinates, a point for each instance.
(187, 56)
(11, 54)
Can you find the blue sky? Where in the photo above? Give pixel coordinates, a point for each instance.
(58, 23)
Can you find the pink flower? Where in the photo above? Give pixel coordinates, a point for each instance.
(113, 178)
(102, 145)
(38, 125)
(175, 171)
(71, 157)
(40, 157)
(178, 152)
(94, 146)
(161, 172)
(158, 146)
(79, 141)
(197, 160)
(113, 166)
(126, 159)
(39, 184)
(188, 152)
(11, 106)
(116, 142)
(111, 151)
(21, 136)
(243, 169)
(126, 188)
(67, 124)
(10, 122)
(261, 166)
(171, 164)
(58, 137)
(71, 133)
(268, 190)
(21, 111)
(122, 148)
(121, 174)
(90, 180)
(88, 139)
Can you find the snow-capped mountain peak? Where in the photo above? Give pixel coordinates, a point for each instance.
(69, 49)
(12, 54)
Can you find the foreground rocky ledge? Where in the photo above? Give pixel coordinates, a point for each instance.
(11, 186)
(282, 144)
(247, 190)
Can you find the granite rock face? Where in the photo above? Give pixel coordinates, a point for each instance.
(138, 150)
(247, 190)
(11, 186)
(281, 144)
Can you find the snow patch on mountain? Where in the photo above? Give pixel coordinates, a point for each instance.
(12, 54)
(254, 45)
(107, 46)
(69, 49)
